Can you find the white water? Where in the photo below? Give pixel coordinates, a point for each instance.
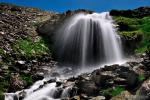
(84, 40)
(89, 39)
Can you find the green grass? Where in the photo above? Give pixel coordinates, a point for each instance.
(135, 26)
(145, 28)
(26, 47)
(131, 23)
(117, 90)
(113, 92)
(4, 84)
(1, 52)
(27, 78)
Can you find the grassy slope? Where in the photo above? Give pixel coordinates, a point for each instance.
(28, 47)
(134, 27)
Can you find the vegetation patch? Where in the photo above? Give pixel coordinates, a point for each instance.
(27, 78)
(113, 91)
(30, 49)
(131, 27)
(4, 84)
(131, 34)
(141, 77)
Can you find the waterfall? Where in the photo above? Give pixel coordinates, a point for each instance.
(83, 40)
(88, 40)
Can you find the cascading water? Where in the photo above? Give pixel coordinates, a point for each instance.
(88, 39)
(84, 40)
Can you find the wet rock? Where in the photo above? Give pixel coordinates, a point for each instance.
(22, 95)
(58, 83)
(11, 96)
(57, 93)
(87, 87)
(111, 67)
(100, 77)
(37, 77)
(51, 81)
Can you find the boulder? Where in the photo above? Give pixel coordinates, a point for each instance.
(87, 87)
(101, 77)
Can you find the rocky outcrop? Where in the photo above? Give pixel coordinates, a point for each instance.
(136, 13)
(20, 23)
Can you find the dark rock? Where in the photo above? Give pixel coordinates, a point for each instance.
(57, 93)
(21, 65)
(87, 87)
(111, 67)
(100, 78)
(51, 81)
(37, 77)
(22, 95)
(132, 79)
(58, 84)
(120, 81)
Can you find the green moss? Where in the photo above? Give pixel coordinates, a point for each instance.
(145, 28)
(2, 52)
(117, 90)
(26, 47)
(141, 77)
(27, 78)
(113, 92)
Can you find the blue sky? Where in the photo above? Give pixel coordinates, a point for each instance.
(95, 5)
